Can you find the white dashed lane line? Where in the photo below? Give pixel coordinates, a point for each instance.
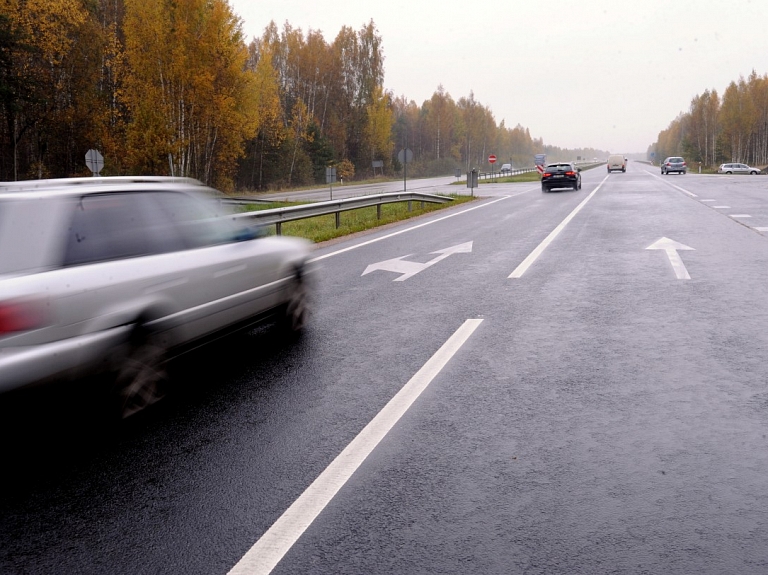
(740, 216)
(722, 207)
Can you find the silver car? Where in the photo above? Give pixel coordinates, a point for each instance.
(114, 275)
(674, 164)
(736, 168)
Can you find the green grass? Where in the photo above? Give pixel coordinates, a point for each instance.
(322, 228)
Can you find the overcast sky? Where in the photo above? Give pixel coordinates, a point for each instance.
(577, 73)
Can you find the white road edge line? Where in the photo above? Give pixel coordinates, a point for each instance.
(397, 233)
(267, 552)
(691, 194)
(534, 255)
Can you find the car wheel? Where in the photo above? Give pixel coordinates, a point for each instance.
(296, 312)
(728, 172)
(544, 189)
(141, 378)
(753, 173)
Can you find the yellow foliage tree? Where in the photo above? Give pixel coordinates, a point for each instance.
(189, 90)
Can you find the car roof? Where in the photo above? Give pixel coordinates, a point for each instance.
(77, 186)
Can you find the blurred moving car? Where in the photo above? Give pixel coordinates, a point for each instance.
(736, 168)
(506, 168)
(560, 175)
(114, 275)
(617, 162)
(674, 164)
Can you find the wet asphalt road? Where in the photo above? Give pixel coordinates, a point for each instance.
(604, 417)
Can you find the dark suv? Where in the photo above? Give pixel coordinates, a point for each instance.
(561, 175)
(674, 164)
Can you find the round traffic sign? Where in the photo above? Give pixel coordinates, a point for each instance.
(492, 159)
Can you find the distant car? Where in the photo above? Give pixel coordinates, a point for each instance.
(674, 164)
(735, 168)
(506, 168)
(112, 276)
(560, 175)
(617, 162)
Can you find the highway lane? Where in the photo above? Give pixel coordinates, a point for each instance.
(604, 416)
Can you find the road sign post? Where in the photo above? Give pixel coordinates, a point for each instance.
(405, 156)
(492, 160)
(330, 177)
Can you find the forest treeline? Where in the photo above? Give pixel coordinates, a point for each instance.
(172, 87)
(728, 128)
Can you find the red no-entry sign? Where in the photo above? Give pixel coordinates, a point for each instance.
(492, 159)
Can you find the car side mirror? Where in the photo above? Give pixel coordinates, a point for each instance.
(251, 232)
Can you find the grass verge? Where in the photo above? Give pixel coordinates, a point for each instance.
(322, 228)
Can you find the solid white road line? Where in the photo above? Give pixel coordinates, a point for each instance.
(275, 543)
(534, 255)
(397, 233)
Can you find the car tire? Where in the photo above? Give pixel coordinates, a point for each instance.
(544, 189)
(753, 173)
(296, 310)
(141, 378)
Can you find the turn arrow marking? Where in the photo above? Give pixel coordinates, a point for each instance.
(409, 269)
(671, 247)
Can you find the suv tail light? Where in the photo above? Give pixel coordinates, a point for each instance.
(570, 173)
(22, 315)
(546, 174)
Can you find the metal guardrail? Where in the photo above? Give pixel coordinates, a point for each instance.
(499, 174)
(278, 216)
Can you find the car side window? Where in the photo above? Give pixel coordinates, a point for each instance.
(196, 223)
(117, 226)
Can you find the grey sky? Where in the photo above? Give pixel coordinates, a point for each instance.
(609, 75)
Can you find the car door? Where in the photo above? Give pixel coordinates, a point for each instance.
(232, 278)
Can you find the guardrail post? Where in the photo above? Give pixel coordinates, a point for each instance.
(378, 211)
(422, 205)
(410, 205)
(279, 228)
(338, 220)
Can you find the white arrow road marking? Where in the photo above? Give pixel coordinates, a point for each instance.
(671, 247)
(409, 269)
(267, 552)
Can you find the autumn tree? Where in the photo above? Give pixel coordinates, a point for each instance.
(189, 91)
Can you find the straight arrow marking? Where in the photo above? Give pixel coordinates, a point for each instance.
(671, 248)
